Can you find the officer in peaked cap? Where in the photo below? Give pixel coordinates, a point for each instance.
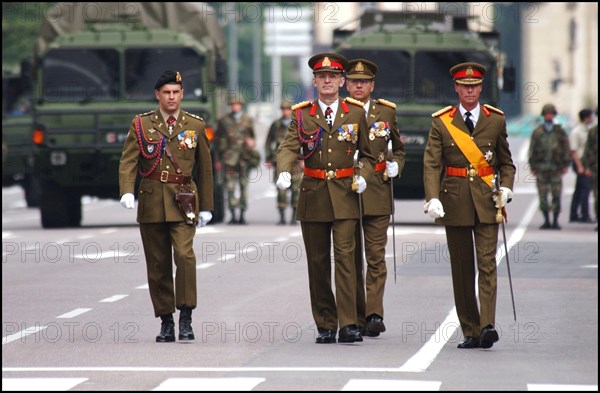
(332, 62)
(468, 73)
(361, 69)
(168, 77)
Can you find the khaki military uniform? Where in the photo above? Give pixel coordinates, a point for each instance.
(327, 206)
(470, 210)
(237, 160)
(276, 135)
(549, 155)
(162, 224)
(377, 208)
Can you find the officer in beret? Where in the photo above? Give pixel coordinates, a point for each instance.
(331, 134)
(235, 155)
(276, 135)
(384, 138)
(168, 147)
(469, 141)
(549, 159)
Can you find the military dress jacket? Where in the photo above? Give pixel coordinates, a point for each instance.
(383, 127)
(143, 154)
(230, 139)
(466, 199)
(325, 200)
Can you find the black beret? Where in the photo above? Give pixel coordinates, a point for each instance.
(168, 77)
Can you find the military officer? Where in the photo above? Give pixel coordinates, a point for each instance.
(167, 147)
(549, 160)
(470, 142)
(276, 135)
(332, 135)
(377, 198)
(234, 142)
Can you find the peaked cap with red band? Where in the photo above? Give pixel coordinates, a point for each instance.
(331, 62)
(468, 73)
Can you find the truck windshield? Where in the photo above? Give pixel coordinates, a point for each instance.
(143, 66)
(433, 83)
(80, 75)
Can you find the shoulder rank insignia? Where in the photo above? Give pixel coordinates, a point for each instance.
(300, 105)
(494, 109)
(441, 111)
(354, 101)
(386, 103)
(146, 114)
(194, 116)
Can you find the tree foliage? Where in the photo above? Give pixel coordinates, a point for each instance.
(20, 26)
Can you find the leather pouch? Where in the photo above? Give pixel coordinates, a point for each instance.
(187, 205)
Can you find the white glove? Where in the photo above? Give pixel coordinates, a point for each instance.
(434, 208)
(392, 168)
(284, 181)
(362, 184)
(127, 200)
(505, 198)
(205, 218)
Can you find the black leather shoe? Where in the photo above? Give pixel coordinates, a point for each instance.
(326, 336)
(350, 334)
(488, 337)
(470, 342)
(375, 323)
(167, 329)
(368, 333)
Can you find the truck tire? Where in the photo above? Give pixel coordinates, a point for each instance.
(60, 207)
(33, 191)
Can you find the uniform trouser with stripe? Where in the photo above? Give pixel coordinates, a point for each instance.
(374, 242)
(328, 310)
(462, 260)
(164, 242)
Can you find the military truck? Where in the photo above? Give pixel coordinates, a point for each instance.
(95, 65)
(17, 121)
(414, 52)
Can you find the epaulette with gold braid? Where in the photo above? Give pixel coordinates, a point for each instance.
(146, 114)
(194, 116)
(494, 109)
(354, 101)
(386, 103)
(441, 111)
(299, 105)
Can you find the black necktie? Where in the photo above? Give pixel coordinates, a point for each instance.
(469, 122)
(328, 113)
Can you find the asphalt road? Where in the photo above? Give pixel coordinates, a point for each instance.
(76, 313)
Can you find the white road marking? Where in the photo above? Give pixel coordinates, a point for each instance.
(209, 384)
(375, 385)
(41, 384)
(74, 313)
(113, 299)
(22, 334)
(557, 387)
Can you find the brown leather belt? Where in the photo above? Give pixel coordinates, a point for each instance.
(166, 177)
(380, 166)
(472, 172)
(332, 174)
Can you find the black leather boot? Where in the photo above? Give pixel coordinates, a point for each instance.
(555, 223)
(281, 217)
(242, 221)
(293, 217)
(167, 329)
(546, 224)
(185, 324)
(233, 219)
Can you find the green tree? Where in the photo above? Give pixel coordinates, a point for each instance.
(20, 26)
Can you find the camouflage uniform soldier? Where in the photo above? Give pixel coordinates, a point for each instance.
(234, 141)
(549, 159)
(590, 162)
(276, 135)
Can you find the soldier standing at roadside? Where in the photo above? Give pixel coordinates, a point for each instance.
(377, 198)
(590, 162)
(276, 135)
(234, 143)
(549, 160)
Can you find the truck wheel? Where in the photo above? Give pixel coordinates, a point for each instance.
(59, 207)
(33, 191)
